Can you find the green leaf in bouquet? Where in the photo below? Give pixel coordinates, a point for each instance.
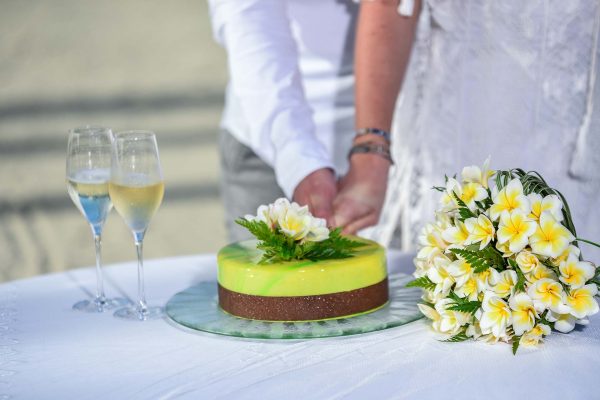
(459, 337)
(516, 340)
(520, 285)
(463, 304)
(481, 260)
(423, 282)
(463, 210)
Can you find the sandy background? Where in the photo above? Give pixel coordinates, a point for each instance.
(124, 64)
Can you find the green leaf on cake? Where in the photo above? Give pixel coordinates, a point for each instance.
(277, 247)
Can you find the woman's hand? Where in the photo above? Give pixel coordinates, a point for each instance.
(361, 193)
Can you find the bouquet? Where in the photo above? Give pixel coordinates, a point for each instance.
(286, 231)
(501, 263)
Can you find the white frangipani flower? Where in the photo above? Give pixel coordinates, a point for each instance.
(510, 198)
(481, 230)
(495, 316)
(548, 294)
(473, 174)
(535, 335)
(440, 275)
(317, 230)
(430, 240)
(563, 323)
(523, 313)
(576, 273)
(461, 271)
(445, 321)
(550, 203)
(551, 238)
(527, 261)
(515, 229)
(456, 234)
(504, 282)
(582, 301)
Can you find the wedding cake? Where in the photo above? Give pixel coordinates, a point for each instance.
(298, 270)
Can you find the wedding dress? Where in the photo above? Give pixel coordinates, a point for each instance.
(514, 80)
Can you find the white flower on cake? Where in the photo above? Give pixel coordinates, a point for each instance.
(288, 231)
(501, 262)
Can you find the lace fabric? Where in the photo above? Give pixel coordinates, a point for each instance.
(514, 80)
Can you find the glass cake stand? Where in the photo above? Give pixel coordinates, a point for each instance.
(197, 308)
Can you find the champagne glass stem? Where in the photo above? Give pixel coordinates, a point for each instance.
(142, 306)
(100, 297)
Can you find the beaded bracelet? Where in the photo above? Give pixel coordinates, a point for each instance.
(374, 131)
(372, 148)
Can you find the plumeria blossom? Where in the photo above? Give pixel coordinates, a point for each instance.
(456, 234)
(523, 313)
(469, 193)
(317, 230)
(551, 238)
(473, 174)
(515, 229)
(496, 315)
(527, 261)
(582, 301)
(481, 230)
(540, 272)
(295, 223)
(548, 294)
(530, 274)
(445, 321)
(440, 275)
(563, 323)
(430, 240)
(504, 282)
(461, 271)
(550, 203)
(576, 273)
(535, 336)
(510, 198)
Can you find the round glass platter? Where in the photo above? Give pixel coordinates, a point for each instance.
(197, 308)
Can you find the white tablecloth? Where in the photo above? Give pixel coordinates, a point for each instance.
(48, 351)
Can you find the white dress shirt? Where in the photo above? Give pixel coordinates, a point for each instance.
(290, 96)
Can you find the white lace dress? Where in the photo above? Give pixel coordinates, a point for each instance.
(512, 79)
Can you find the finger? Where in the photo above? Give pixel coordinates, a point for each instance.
(321, 206)
(361, 223)
(345, 212)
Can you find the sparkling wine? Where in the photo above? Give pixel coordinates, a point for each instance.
(137, 202)
(89, 191)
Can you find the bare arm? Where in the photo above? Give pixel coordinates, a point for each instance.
(383, 45)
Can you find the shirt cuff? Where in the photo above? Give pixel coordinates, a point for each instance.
(296, 160)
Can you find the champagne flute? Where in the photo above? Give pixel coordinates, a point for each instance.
(136, 188)
(88, 173)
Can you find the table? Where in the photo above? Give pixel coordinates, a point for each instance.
(48, 351)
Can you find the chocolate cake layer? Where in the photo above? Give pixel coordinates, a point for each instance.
(304, 308)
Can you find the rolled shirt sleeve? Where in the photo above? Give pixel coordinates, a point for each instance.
(265, 79)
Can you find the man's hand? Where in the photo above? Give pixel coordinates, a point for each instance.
(361, 193)
(317, 191)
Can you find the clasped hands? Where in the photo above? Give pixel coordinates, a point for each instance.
(352, 203)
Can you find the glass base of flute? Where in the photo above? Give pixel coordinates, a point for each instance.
(140, 311)
(100, 303)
